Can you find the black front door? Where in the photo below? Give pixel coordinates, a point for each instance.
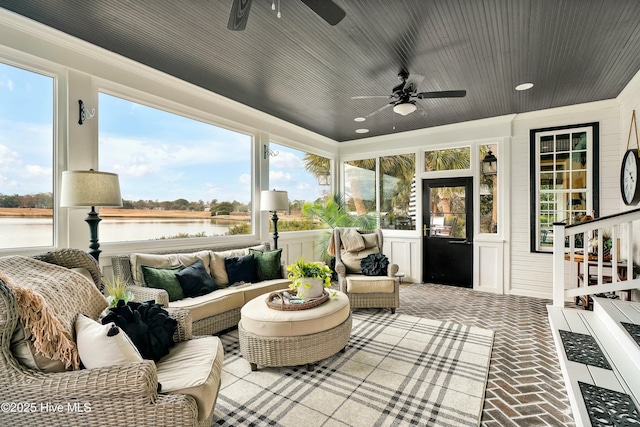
(447, 249)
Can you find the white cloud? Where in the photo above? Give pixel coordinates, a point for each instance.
(8, 156)
(244, 178)
(35, 171)
(285, 161)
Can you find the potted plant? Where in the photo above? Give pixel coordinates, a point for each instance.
(309, 278)
(117, 291)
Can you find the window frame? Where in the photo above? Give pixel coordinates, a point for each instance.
(592, 168)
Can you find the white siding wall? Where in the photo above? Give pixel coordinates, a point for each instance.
(531, 272)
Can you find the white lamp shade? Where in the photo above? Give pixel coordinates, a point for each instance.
(404, 108)
(90, 188)
(273, 200)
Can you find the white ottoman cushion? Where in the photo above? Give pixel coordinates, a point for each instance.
(259, 319)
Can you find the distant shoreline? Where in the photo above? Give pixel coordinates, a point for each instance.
(126, 213)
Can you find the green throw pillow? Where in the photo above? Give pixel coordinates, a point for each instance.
(164, 278)
(268, 264)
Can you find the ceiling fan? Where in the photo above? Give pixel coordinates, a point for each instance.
(326, 9)
(403, 96)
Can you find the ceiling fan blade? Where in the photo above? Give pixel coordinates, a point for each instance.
(327, 10)
(239, 15)
(371, 96)
(384, 107)
(412, 82)
(442, 94)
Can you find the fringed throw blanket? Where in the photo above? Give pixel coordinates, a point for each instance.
(49, 299)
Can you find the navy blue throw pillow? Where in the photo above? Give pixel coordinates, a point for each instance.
(241, 269)
(195, 280)
(374, 265)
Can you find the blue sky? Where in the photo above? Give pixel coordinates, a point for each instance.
(158, 155)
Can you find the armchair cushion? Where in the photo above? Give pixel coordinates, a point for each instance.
(352, 240)
(101, 346)
(203, 357)
(359, 284)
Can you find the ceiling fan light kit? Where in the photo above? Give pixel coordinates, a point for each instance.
(403, 96)
(404, 108)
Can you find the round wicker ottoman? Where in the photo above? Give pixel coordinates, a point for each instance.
(270, 337)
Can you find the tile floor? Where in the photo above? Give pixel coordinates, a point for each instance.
(525, 386)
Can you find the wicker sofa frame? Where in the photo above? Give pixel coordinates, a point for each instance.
(118, 395)
(389, 300)
(211, 325)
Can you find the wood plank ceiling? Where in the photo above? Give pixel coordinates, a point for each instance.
(301, 69)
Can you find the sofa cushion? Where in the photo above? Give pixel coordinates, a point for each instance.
(101, 346)
(268, 264)
(194, 368)
(211, 304)
(195, 280)
(137, 260)
(217, 267)
(352, 260)
(264, 287)
(164, 278)
(241, 269)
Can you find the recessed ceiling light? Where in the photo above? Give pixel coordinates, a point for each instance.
(359, 119)
(524, 86)
(362, 130)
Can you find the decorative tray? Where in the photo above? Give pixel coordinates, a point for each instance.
(288, 300)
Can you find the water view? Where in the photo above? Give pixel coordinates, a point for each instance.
(32, 232)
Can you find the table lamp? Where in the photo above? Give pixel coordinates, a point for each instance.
(90, 188)
(273, 201)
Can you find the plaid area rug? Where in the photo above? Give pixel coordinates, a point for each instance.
(397, 370)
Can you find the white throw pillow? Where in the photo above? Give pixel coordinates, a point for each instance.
(98, 350)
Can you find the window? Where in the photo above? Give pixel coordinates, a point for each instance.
(398, 192)
(360, 186)
(488, 194)
(26, 158)
(564, 179)
(389, 178)
(447, 159)
(306, 179)
(179, 177)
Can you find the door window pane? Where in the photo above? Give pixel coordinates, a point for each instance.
(26, 158)
(447, 212)
(179, 177)
(398, 192)
(306, 179)
(489, 194)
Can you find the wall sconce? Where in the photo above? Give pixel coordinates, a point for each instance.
(266, 151)
(489, 164)
(83, 113)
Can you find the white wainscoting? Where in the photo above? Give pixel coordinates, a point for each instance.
(488, 272)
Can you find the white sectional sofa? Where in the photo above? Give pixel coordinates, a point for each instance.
(213, 312)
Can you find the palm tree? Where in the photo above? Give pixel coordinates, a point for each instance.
(333, 213)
